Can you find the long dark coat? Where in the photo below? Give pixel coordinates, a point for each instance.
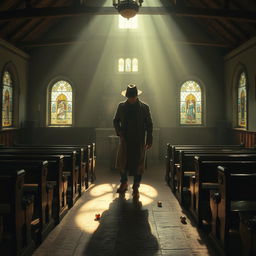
(132, 123)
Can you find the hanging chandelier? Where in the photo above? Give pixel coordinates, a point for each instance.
(127, 8)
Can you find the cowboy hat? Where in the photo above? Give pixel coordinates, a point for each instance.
(131, 91)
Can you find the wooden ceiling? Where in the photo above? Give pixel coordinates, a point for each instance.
(228, 23)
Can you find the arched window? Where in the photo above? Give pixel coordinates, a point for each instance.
(61, 104)
(190, 103)
(7, 100)
(121, 65)
(135, 66)
(128, 65)
(242, 101)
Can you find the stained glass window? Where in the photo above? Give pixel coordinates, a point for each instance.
(135, 67)
(121, 65)
(61, 104)
(128, 24)
(242, 101)
(128, 65)
(7, 100)
(190, 103)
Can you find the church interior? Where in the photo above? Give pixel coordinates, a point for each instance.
(63, 66)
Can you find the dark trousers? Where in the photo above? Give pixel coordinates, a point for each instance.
(136, 179)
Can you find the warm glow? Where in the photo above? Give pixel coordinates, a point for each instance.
(7, 100)
(135, 66)
(102, 189)
(61, 102)
(121, 65)
(128, 65)
(128, 24)
(105, 194)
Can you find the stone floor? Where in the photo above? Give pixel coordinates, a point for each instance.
(126, 228)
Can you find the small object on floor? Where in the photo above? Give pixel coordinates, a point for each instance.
(97, 216)
(159, 204)
(183, 219)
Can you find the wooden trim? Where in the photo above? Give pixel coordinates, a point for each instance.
(9, 47)
(248, 138)
(8, 135)
(9, 129)
(67, 42)
(58, 12)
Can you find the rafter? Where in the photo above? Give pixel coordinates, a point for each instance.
(208, 27)
(229, 24)
(239, 6)
(75, 41)
(41, 27)
(216, 27)
(223, 26)
(28, 25)
(220, 14)
(9, 4)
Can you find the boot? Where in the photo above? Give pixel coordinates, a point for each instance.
(135, 192)
(122, 188)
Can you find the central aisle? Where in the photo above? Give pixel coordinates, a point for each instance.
(125, 228)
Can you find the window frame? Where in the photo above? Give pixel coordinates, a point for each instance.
(124, 72)
(121, 70)
(203, 103)
(48, 105)
(241, 69)
(11, 68)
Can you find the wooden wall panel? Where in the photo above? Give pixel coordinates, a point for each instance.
(7, 137)
(248, 138)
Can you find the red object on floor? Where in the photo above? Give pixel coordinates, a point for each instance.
(97, 216)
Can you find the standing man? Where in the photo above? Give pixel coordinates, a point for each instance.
(132, 122)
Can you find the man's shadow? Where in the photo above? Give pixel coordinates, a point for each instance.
(124, 230)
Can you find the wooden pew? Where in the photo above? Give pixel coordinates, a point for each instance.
(177, 148)
(93, 161)
(186, 169)
(174, 149)
(71, 171)
(16, 211)
(84, 155)
(206, 179)
(172, 158)
(36, 184)
(168, 177)
(247, 230)
(237, 194)
(1, 229)
(54, 177)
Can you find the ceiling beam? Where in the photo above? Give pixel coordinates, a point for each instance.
(216, 35)
(41, 27)
(224, 27)
(74, 41)
(23, 24)
(28, 26)
(229, 25)
(220, 14)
